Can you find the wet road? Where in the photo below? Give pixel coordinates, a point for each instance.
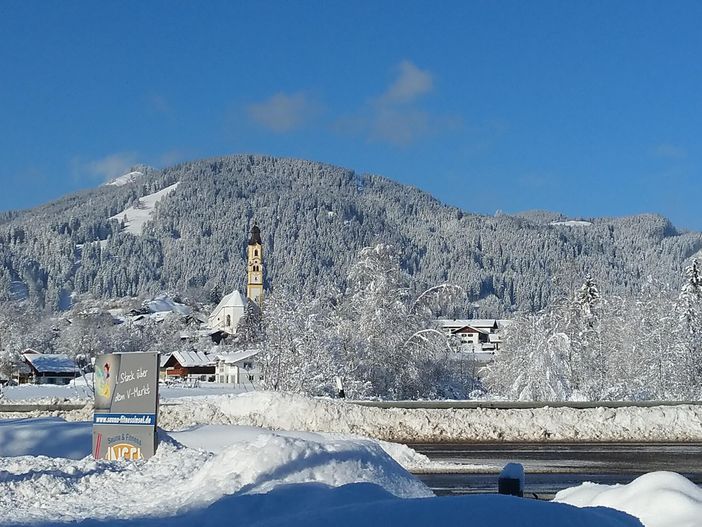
(550, 467)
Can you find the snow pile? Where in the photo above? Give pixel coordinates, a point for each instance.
(214, 438)
(55, 437)
(658, 499)
(280, 411)
(179, 480)
(131, 177)
(258, 478)
(136, 217)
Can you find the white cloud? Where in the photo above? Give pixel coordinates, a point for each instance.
(395, 115)
(283, 112)
(669, 151)
(399, 127)
(410, 84)
(159, 104)
(105, 168)
(171, 157)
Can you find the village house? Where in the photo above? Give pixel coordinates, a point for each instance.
(239, 368)
(190, 365)
(50, 368)
(479, 336)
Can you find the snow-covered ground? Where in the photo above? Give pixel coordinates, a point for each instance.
(79, 392)
(217, 463)
(136, 218)
(246, 476)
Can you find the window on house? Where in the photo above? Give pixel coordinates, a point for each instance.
(229, 320)
(255, 252)
(251, 377)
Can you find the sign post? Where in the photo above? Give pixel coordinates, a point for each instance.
(126, 406)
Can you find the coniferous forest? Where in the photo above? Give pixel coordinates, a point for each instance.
(314, 220)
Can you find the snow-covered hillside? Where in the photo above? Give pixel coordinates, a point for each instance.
(136, 217)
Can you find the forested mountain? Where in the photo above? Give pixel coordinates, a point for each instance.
(314, 219)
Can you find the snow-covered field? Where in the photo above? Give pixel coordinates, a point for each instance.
(217, 463)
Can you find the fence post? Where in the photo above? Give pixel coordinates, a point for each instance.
(511, 480)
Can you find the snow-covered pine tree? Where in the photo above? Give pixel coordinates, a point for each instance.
(690, 329)
(532, 365)
(587, 360)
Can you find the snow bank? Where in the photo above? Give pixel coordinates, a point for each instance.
(55, 437)
(214, 438)
(658, 499)
(259, 479)
(279, 411)
(179, 480)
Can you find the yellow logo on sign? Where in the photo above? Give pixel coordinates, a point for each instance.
(123, 451)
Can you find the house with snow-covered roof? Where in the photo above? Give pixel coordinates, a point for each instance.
(55, 368)
(239, 368)
(188, 365)
(475, 335)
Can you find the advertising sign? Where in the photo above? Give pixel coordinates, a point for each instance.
(126, 406)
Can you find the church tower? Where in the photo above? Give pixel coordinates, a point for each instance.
(254, 269)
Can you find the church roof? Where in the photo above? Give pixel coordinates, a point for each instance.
(255, 235)
(233, 299)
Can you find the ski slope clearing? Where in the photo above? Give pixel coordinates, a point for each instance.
(136, 217)
(258, 479)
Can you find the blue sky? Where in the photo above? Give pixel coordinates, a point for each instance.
(589, 108)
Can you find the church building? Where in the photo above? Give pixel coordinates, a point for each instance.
(232, 307)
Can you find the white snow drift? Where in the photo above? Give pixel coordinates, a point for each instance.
(292, 412)
(279, 411)
(658, 499)
(262, 479)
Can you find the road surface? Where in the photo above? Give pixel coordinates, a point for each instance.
(550, 467)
